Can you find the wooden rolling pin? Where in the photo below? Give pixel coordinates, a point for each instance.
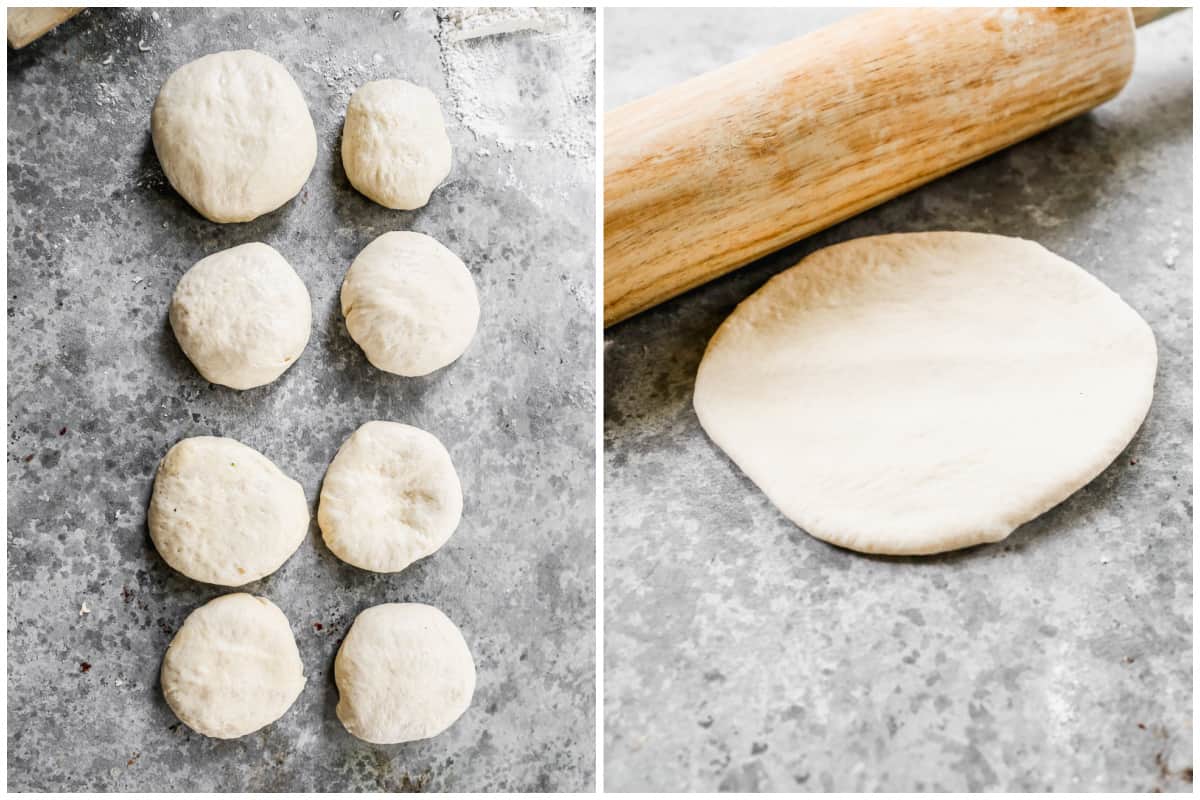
(713, 173)
(26, 25)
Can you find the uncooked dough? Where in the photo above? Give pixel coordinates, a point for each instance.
(242, 316)
(390, 497)
(222, 513)
(403, 673)
(394, 144)
(917, 393)
(233, 667)
(410, 304)
(233, 135)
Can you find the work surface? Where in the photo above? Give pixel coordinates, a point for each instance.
(99, 390)
(742, 654)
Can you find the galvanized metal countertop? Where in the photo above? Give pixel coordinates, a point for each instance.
(742, 654)
(98, 390)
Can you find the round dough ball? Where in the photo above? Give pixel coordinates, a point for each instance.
(233, 667)
(403, 673)
(394, 144)
(233, 135)
(390, 497)
(917, 393)
(222, 513)
(410, 304)
(242, 316)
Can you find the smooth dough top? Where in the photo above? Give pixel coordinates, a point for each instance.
(242, 316)
(233, 667)
(394, 144)
(390, 497)
(403, 673)
(409, 303)
(222, 513)
(917, 393)
(233, 135)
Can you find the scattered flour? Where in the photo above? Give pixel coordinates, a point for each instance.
(494, 95)
(460, 24)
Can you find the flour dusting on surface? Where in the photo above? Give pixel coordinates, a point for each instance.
(508, 107)
(460, 24)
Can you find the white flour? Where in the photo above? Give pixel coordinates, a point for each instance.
(473, 23)
(485, 55)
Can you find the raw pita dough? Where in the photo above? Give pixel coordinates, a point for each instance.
(403, 673)
(222, 513)
(242, 316)
(917, 393)
(233, 667)
(390, 497)
(410, 304)
(233, 135)
(394, 144)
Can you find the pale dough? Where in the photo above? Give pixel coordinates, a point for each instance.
(233, 667)
(403, 673)
(394, 144)
(233, 135)
(242, 316)
(409, 303)
(222, 513)
(917, 393)
(390, 497)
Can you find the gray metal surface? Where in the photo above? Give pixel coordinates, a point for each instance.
(98, 390)
(743, 654)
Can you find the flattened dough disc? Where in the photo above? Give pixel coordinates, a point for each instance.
(233, 667)
(917, 393)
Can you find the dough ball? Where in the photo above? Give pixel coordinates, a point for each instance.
(233, 667)
(390, 497)
(234, 135)
(242, 316)
(410, 304)
(222, 513)
(394, 144)
(917, 393)
(403, 673)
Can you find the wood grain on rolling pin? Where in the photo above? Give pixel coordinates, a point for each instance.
(711, 174)
(27, 24)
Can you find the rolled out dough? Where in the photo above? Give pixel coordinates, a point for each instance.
(918, 393)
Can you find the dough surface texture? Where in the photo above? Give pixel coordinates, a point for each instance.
(390, 497)
(222, 513)
(233, 667)
(403, 673)
(916, 393)
(233, 135)
(410, 304)
(242, 316)
(394, 144)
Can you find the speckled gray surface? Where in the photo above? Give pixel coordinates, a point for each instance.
(98, 390)
(743, 654)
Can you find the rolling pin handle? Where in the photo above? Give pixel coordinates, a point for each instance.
(1144, 15)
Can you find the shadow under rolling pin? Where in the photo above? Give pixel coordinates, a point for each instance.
(711, 174)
